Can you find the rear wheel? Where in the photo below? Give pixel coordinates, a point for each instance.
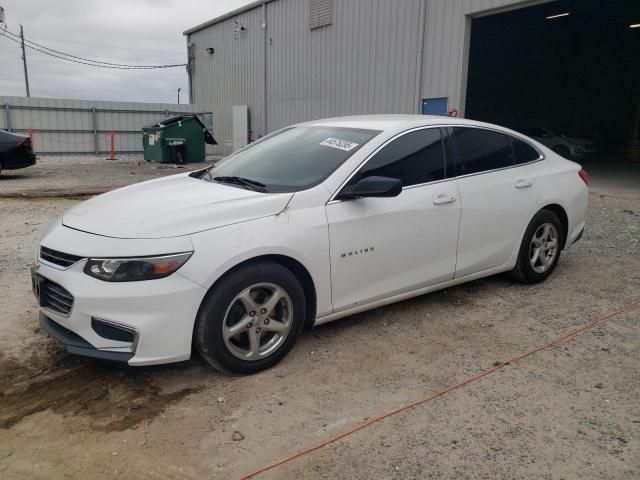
(540, 248)
(251, 319)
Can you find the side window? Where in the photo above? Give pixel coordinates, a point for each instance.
(416, 157)
(524, 152)
(479, 150)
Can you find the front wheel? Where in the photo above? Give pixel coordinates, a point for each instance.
(251, 319)
(540, 248)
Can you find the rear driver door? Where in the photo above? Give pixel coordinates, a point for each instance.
(497, 197)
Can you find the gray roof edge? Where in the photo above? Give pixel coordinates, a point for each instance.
(226, 16)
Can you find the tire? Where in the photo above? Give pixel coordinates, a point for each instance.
(242, 310)
(543, 230)
(562, 151)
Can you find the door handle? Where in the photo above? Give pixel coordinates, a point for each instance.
(443, 199)
(523, 183)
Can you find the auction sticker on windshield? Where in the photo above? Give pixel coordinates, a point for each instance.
(339, 143)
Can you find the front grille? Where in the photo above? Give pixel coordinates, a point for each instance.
(58, 258)
(55, 297)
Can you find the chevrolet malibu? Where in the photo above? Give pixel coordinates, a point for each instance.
(312, 223)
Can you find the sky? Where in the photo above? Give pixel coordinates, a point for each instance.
(118, 31)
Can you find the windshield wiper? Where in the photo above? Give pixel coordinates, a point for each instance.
(245, 182)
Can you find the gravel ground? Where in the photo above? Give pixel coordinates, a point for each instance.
(572, 411)
(84, 175)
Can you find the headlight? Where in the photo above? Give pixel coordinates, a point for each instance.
(135, 269)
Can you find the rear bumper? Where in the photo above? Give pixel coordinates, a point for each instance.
(15, 162)
(79, 346)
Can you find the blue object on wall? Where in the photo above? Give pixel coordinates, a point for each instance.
(434, 106)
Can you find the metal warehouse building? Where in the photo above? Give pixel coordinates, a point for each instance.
(572, 64)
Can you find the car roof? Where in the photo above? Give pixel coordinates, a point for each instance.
(392, 121)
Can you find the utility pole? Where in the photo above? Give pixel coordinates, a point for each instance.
(24, 61)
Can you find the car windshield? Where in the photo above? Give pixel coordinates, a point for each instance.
(290, 160)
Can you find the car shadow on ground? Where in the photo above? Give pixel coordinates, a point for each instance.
(14, 176)
(453, 296)
(116, 397)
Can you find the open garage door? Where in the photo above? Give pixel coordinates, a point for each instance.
(566, 72)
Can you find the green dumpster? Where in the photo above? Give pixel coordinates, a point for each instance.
(176, 140)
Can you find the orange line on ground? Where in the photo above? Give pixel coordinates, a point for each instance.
(445, 390)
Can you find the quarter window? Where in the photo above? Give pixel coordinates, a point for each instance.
(524, 152)
(479, 150)
(416, 157)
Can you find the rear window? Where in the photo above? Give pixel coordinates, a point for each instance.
(524, 152)
(479, 150)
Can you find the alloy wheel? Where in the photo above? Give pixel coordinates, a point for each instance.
(543, 248)
(257, 321)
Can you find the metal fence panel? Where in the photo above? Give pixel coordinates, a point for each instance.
(63, 126)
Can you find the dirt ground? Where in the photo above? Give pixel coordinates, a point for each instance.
(572, 411)
(77, 175)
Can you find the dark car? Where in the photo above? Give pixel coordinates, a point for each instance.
(15, 151)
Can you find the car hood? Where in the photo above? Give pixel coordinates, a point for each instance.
(171, 207)
(578, 142)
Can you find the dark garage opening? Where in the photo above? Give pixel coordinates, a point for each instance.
(575, 74)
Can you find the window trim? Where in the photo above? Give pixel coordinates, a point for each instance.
(443, 136)
(450, 157)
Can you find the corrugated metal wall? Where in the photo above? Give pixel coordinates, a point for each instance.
(366, 61)
(232, 75)
(67, 126)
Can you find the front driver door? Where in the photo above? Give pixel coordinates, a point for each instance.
(381, 247)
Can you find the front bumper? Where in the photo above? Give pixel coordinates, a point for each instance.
(160, 312)
(79, 346)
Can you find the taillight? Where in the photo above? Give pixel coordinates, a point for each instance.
(583, 175)
(25, 144)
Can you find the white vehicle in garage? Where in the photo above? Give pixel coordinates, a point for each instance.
(557, 140)
(307, 225)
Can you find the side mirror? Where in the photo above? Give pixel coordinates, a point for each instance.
(372, 187)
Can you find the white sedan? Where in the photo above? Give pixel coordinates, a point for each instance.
(310, 224)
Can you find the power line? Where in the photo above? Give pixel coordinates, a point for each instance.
(81, 60)
(109, 46)
(87, 61)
